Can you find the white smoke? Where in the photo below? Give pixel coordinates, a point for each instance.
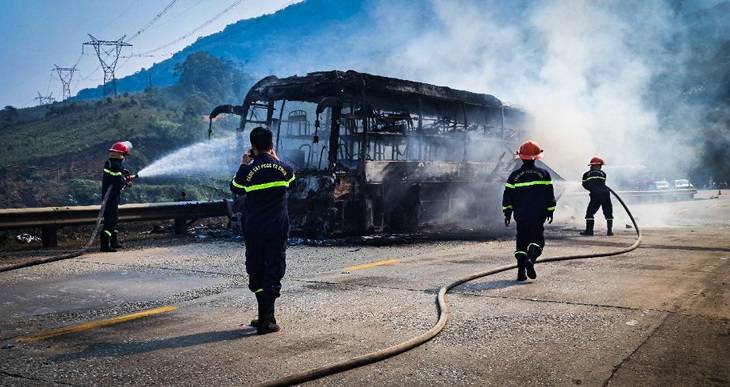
(581, 68)
(584, 69)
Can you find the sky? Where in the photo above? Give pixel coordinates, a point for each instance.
(40, 35)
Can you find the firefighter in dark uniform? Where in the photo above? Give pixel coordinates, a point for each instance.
(595, 182)
(529, 195)
(113, 181)
(264, 179)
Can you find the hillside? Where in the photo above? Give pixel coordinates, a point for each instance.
(53, 154)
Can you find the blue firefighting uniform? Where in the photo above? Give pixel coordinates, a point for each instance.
(595, 182)
(265, 183)
(529, 195)
(113, 178)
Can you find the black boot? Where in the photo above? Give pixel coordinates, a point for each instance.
(533, 251)
(105, 243)
(113, 242)
(255, 322)
(589, 227)
(266, 314)
(609, 225)
(521, 267)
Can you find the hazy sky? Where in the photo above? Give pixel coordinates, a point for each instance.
(38, 35)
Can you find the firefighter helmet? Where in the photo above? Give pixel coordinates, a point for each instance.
(596, 161)
(122, 147)
(529, 150)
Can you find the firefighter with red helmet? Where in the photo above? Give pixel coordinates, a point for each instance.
(595, 182)
(529, 196)
(114, 179)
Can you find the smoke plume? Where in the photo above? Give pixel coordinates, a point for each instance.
(599, 77)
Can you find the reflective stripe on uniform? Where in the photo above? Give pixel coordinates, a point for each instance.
(594, 177)
(236, 184)
(263, 186)
(112, 172)
(529, 183)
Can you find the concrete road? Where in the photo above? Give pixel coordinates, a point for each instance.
(176, 314)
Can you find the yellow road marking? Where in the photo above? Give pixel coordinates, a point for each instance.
(365, 266)
(110, 321)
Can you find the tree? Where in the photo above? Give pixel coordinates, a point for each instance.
(213, 79)
(10, 113)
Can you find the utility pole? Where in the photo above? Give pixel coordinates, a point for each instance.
(44, 100)
(65, 74)
(114, 48)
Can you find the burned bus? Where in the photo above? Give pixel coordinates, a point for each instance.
(382, 155)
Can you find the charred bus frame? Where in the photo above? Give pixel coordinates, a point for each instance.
(396, 156)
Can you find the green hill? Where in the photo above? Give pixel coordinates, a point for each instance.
(53, 154)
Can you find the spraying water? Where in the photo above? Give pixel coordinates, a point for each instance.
(216, 157)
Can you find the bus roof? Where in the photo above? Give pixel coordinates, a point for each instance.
(352, 85)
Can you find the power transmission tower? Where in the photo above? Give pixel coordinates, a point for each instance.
(115, 47)
(65, 74)
(44, 100)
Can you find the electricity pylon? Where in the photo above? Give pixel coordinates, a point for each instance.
(115, 48)
(65, 74)
(44, 100)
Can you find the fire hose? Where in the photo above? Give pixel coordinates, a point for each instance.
(383, 354)
(83, 249)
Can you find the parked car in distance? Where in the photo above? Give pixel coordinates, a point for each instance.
(682, 184)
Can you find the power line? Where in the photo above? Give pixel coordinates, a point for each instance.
(214, 18)
(109, 68)
(155, 19)
(149, 54)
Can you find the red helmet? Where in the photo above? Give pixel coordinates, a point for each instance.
(529, 150)
(122, 147)
(597, 161)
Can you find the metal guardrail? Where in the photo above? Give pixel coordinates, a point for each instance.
(51, 219)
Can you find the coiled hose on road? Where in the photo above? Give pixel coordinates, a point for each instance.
(383, 354)
(74, 254)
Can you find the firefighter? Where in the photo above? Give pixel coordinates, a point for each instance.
(529, 195)
(595, 182)
(264, 179)
(114, 180)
